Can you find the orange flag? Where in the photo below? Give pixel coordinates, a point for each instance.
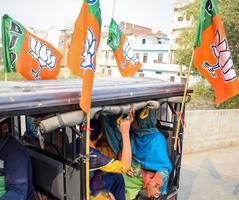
(212, 56)
(25, 53)
(84, 44)
(126, 59)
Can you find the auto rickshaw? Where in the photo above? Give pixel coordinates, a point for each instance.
(46, 117)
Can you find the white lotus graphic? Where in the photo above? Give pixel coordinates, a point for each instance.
(92, 2)
(89, 53)
(43, 55)
(129, 54)
(224, 60)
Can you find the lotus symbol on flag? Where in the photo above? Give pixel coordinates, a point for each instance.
(129, 54)
(224, 60)
(43, 55)
(89, 53)
(92, 2)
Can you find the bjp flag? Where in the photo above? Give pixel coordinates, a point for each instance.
(81, 57)
(212, 56)
(25, 53)
(126, 59)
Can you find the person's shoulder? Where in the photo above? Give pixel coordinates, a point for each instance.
(13, 141)
(15, 146)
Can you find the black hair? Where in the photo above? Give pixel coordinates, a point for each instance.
(97, 129)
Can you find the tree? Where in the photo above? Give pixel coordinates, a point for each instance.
(229, 11)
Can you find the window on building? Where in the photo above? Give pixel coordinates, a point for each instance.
(106, 54)
(141, 74)
(109, 72)
(172, 78)
(180, 19)
(188, 17)
(137, 54)
(143, 41)
(145, 58)
(112, 56)
(158, 72)
(160, 57)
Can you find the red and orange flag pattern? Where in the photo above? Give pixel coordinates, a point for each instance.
(212, 56)
(84, 44)
(27, 54)
(126, 59)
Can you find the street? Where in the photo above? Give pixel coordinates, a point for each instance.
(210, 175)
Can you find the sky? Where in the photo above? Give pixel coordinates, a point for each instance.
(42, 14)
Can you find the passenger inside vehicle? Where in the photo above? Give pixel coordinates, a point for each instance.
(106, 172)
(15, 165)
(151, 166)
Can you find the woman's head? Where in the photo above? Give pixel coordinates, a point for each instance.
(4, 127)
(148, 122)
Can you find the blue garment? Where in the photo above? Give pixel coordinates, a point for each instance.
(149, 147)
(17, 170)
(98, 160)
(108, 182)
(102, 181)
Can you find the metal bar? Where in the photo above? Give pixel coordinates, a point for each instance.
(64, 164)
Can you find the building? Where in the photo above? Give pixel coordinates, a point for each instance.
(179, 22)
(152, 49)
(64, 43)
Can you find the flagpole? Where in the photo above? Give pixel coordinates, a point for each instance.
(183, 103)
(5, 76)
(113, 11)
(88, 157)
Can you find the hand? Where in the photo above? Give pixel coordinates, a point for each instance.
(111, 196)
(124, 126)
(131, 172)
(153, 189)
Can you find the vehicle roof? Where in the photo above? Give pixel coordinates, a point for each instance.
(33, 97)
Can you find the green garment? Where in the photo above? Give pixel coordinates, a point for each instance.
(2, 186)
(133, 185)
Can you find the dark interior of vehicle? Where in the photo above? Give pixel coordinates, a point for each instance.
(58, 170)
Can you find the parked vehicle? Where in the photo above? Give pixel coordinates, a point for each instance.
(46, 117)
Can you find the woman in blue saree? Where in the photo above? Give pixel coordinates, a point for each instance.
(151, 165)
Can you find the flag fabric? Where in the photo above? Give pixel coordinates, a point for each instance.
(25, 53)
(85, 40)
(212, 56)
(126, 59)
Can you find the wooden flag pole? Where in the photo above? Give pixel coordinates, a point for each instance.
(183, 103)
(5, 76)
(88, 157)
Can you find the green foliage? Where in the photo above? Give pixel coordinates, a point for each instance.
(230, 104)
(202, 97)
(184, 53)
(229, 12)
(10, 76)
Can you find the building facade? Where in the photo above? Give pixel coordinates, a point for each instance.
(152, 49)
(179, 22)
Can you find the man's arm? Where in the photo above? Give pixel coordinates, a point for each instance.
(126, 155)
(16, 176)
